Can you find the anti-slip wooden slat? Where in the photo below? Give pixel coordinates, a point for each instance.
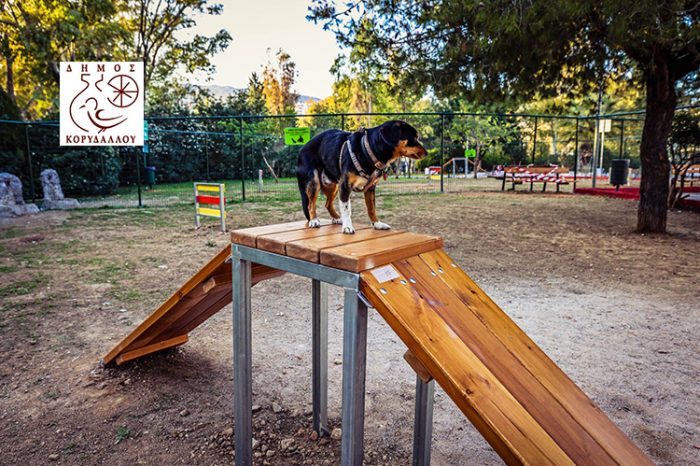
(444, 305)
(364, 255)
(539, 365)
(160, 346)
(277, 242)
(310, 249)
(248, 236)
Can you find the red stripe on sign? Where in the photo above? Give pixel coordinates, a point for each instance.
(208, 200)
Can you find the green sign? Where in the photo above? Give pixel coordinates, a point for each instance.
(145, 130)
(296, 136)
(470, 153)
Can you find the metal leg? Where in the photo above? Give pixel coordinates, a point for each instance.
(319, 348)
(242, 361)
(423, 423)
(354, 358)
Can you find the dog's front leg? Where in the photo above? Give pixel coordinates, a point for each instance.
(345, 210)
(370, 202)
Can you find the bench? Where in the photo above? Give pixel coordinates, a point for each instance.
(520, 174)
(692, 175)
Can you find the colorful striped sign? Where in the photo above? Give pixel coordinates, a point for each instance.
(209, 201)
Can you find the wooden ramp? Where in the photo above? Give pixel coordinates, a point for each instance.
(521, 402)
(202, 296)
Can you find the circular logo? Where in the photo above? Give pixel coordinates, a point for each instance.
(124, 90)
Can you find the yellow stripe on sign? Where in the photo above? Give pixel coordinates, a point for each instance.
(207, 188)
(209, 212)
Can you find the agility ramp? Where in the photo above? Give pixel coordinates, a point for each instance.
(519, 400)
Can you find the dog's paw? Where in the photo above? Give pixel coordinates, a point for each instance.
(337, 221)
(314, 223)
(349, 230)
(381, 226)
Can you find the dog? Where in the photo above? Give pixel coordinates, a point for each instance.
(339, 161)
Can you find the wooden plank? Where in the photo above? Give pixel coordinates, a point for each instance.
(248, 236)
(365, 255)
(310, 249)
(276, 242)
(199, 316)
(463, 320)
(417, 366)
(208, 188)
(189, 285)
(567, 393)
(160, 346)
(501, 419)
(216, 213)
(209, 200)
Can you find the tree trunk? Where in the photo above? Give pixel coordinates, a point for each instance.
(660, 106)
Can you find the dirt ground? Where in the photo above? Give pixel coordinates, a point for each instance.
(617, 311)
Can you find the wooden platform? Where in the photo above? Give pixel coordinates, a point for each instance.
(516, 396)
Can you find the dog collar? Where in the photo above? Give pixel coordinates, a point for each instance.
(368, 149)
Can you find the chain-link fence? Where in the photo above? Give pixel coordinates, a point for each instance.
(248, 154)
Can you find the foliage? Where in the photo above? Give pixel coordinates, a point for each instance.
(684, 148)
(277, 83)
(86, 170)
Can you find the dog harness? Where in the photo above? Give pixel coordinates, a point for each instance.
(370, 178)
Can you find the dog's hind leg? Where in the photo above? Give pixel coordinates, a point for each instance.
(370, 202)
(331, 191)
(312, 190)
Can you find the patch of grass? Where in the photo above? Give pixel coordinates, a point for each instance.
(108, 273)
(123, 433)
(7, 268)
(126, 295)
(11, 232)
(22, 287)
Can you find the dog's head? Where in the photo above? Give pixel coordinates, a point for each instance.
(403, 138)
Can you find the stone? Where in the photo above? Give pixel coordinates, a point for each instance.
(184, 413)
(336, 433)
(53, 194)
(53, 457)
(11, 200)
(276, 408)
(287, 444)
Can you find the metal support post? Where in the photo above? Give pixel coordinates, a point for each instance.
(138, 177)
(442, 150)
(423, 422)
(534, 143)
(242, 361)
(242, 149)
(354, 359)
(622, 137)
(319, 348)
(29, 163)
(576, 155)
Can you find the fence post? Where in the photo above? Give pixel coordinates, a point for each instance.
(138, 175)
(242, 147)
(534, 143)
(576, 155)
(622, 136)
(29, 162)
(206, 155)
(442, 149)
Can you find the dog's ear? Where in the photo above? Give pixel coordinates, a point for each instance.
(391, 133)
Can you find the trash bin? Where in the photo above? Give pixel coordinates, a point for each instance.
(618, 172)
(150, 176)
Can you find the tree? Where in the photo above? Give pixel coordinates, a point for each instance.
(158, 41)
(278, 80)
(504, 50)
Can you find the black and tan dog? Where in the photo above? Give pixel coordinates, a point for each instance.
(341, 161)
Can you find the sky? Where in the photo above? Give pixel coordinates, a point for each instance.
(261, 24)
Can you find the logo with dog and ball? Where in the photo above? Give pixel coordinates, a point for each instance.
(102, 104)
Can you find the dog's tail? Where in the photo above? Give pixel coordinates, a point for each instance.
(304, 196)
